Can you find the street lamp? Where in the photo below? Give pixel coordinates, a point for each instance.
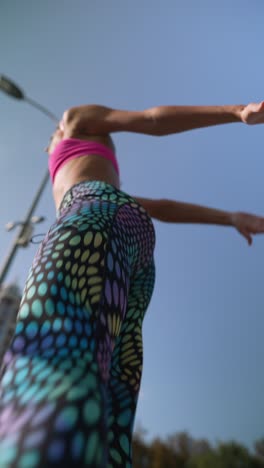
(9, 87)
(24, 234)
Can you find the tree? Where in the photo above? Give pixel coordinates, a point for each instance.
(226, 455)
(161, 456)
(234, 455)
(184, 445)
(181, 443)
(180, 450)
(140, 450)
(259, 448)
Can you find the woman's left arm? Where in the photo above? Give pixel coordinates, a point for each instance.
(171, 211)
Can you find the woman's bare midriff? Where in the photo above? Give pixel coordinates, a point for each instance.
(90, 167)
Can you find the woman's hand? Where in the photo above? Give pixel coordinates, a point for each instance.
(253, 113)
(247, 224)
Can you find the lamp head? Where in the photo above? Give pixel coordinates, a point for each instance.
(8, 87)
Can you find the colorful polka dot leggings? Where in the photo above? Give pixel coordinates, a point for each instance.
(71, 375)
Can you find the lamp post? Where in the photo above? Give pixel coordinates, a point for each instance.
(24, 234)
(9, 87)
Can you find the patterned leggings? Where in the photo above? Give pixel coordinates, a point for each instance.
(71, 375)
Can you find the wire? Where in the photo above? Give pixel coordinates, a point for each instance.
(42, 109)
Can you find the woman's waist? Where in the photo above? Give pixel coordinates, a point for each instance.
(65, 181)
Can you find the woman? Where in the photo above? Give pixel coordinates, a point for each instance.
(71, 376)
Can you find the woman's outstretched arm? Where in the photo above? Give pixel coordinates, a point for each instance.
(178, 212)
(158, 121)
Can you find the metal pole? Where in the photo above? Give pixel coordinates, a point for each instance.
(15, 245)
(42, 109)
(11, 88)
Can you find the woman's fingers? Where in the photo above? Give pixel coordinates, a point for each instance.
(246, 234)
(248, 237)
(253, 113)
(248, 224)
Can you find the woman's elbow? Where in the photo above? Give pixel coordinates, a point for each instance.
(70, 115)
(155, 116)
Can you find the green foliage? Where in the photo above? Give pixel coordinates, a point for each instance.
(180, 450)
(228, 455)
(259, 448)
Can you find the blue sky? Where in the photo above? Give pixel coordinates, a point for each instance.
(203, 333)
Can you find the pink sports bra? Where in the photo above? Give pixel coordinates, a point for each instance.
(72, 148)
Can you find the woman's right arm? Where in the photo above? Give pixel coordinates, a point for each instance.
(159, 120)
(171, 211)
